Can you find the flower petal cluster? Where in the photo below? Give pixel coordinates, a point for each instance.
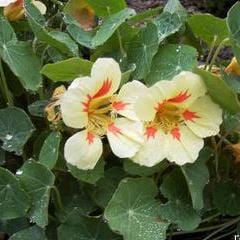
(92, 105)
(177, 115)
(166, 121)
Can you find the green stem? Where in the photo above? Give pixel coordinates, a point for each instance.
(210, 218)
(123, 53)
(225, 235)
(214, 143)
(58, 197)
(226, 225)
(4, 87)
(216, 53)
(210, 52)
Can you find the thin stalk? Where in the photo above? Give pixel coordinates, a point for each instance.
(210, 52)
(214, 143)
(58, 197)
(4, 87)
(210, 218)
(216, 53)
(122, 50)
(225, 235)
(226, 225)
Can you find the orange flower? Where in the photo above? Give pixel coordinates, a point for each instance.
(233, 67)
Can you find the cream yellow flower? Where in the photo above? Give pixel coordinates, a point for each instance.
(178, 115)
(90, 104)
(14, 9)
(233, 67)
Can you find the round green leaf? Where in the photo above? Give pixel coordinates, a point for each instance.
(49, 152)
(220, 92)
(170, 60)
(179, 208)
(80, 227)
(67, 70)
(207, 27)
(33, 232)
(133, 211)
(15, 129)
(14, 201)
(37, 181)
(226, 197)
(89, 176)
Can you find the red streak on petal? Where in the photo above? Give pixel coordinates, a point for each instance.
(113, 129)
(189, 116)
(90, 138)
(119, 105)
(176, 133)
(104, 89)
(160, 106)
(150, 132)
(181, 97)
(106, 86)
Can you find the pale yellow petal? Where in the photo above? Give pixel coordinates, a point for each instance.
(183, 146)
(189, 87)
(154, 149)
(106, 75)
(129, 94)
(4, 3)
(73, 104)
(40, 6)
(208, 117)
(125, 137)
(83, 150)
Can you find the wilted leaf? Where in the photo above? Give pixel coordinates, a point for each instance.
(133, 211)
(67, 70)
(37, 181)
(15, 129)
(170, 60)
(14, 201)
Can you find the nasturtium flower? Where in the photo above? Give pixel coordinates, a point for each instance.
(178, 115)
(92, 105)
(14, 9)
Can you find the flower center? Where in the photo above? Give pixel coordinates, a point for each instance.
(100, 115)
(167, 117)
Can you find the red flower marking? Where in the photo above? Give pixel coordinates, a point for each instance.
(160, 106)
(87, 103)
(104, 89)
(189, 116)
(106, 86)
(90, 138)
(181, 97)
(150, 132)
(119, 105)
(176, 133)
(113, 129)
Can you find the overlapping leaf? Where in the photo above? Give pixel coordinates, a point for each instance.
(15, 129)
(133, 211)
(37, 181)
